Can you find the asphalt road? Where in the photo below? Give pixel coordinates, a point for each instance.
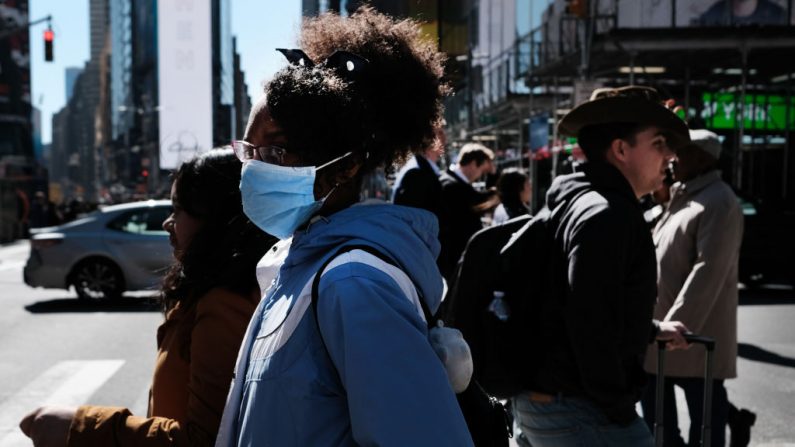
(56, 349)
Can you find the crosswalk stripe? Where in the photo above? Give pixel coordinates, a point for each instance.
(70, 382)
(14, 250)
(10, 265)
(682, 413)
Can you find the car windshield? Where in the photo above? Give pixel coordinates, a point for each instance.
(143, 221)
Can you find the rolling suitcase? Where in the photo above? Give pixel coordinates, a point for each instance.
(706, 427)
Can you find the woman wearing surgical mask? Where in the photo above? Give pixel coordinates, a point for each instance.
(354, 366)
(208, 296)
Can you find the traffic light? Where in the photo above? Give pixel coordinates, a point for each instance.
(49, 36)
(577, 8)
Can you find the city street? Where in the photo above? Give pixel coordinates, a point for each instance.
(55, 349)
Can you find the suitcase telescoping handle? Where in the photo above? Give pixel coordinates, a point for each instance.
(706, 427)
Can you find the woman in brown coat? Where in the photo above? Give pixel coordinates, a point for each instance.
(208, 295)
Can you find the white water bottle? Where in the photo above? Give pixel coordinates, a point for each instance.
(499, 307)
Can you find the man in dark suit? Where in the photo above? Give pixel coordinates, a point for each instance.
(417, 182)
(462, 205)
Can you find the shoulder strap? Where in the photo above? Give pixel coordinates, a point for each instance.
(548, 216)
(378, 254)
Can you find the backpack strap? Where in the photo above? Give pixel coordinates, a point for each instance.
(372, 251)
(549, 216)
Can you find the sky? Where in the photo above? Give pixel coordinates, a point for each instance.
(260, 26)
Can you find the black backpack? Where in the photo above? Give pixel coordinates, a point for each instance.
(497, 298)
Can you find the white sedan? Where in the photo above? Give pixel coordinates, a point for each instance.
(118, 248)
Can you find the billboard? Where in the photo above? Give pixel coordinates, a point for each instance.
(760, 111)
(184, 79)
(707, 13)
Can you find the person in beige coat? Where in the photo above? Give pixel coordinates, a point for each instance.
(697, 240)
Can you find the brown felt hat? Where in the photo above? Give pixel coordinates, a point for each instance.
(630, 104)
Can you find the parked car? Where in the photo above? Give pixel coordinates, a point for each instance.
(768, 248)
(118, 248)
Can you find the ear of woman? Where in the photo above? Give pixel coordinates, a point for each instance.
(338, 184)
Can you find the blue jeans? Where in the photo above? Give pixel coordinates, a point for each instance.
(569, 422)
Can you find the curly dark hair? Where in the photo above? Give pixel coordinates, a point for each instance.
(387, 112)
(225, 250)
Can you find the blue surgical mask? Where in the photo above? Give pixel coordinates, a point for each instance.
(279, 199)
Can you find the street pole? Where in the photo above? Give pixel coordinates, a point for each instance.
(787, 119)
(470, 90)
(738, 168)
(531, 160)
(555, 129)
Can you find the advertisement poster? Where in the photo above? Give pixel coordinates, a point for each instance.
(185, 80)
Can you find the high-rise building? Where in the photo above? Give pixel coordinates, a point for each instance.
(16, 141)
(71, 74)
(35, 125)
(108, 133)
(242, 99)
(18, 176)
(122, 112)
(73, 135)
(223, 73)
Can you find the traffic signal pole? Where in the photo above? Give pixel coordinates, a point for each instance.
(49, 35)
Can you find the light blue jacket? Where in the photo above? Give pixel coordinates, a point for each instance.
(379, 382)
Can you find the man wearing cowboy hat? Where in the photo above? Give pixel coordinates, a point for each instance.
(597, 319)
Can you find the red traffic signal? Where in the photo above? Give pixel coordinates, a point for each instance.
(49, 37)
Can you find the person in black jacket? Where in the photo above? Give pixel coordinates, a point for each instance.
(462, 205)
(597, 319)
(417, 182)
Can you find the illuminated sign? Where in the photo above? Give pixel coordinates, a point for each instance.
(761, 112)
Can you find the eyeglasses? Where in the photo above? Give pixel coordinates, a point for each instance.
(269, 154)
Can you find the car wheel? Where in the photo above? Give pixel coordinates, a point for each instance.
(96, 279)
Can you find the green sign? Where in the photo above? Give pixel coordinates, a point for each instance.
(761, 112)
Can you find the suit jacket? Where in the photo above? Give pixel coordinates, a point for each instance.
(418, 186)
(459, 219)
(197, 347)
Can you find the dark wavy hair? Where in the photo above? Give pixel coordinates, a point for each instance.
(510, 185)
(225, 250)
(388, 111)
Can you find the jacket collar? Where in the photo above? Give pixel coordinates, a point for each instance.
(454, 173)
(425, 163)
(604, 176)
